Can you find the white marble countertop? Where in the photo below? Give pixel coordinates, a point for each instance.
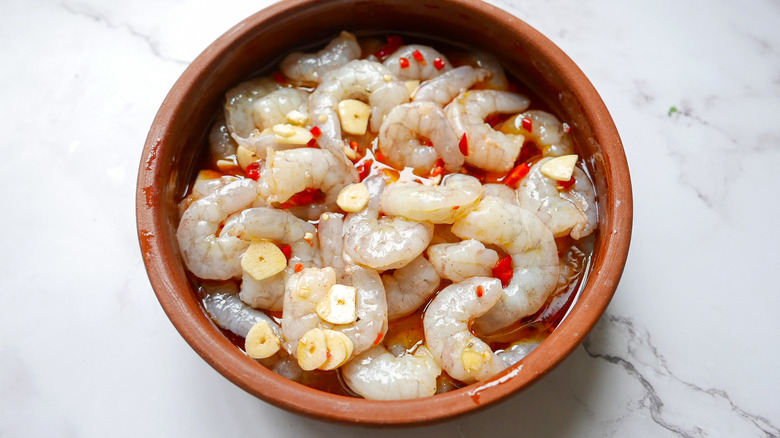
(688, 346)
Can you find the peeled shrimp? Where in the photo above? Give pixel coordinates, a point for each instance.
(207, 254)
(442, 89)
(282, 227)
(379, 375)
(438, 204)
(221, 145)
(420, 69)
(273, 109)
(517, 351)
(497, 80)
(534, 254)
(308, 287)
(410, 287)
(546, 131)
(309, 68)
(288, 172)
(330, 232)
(573, 211)
(229, 312)
(399, 137)
(386, 243)
(446, 323)
(488, 149)
(502, 191)
(459, 261)
(239, 111)
(363, 79)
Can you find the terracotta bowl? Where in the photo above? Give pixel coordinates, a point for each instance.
(173, 150)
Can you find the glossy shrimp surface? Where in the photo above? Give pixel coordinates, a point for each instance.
(379, 215)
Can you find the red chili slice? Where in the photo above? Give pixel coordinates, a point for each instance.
(316, 131)
(528, 124)
(393, 43)
(304, 197)
(287, 251)
(566, 185)
(516, 174)
(464, 145)
(503, 270)
(353, 145)
(404, 62)
(438, 63)
(298, 267)
(253, 171)
(438, 168)
(418, 56)
(378, 338)
(364, 169)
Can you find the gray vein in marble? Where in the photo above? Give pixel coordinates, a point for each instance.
(656, 371)
(152, 43)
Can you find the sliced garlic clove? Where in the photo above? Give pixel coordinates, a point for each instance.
(312, 349)
(261, 341)
(207, 174)
(263, 259)
(471, 359)
(411, 85)
(339, 349)
(297, 118)
(353, 197)
(559, 168)
(245, 156)
(291, 134)
(354, 116)
(339, 306)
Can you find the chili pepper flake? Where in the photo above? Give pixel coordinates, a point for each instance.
(253, 171)
(316, 131)
(480, 291)
(464, 145)
(528, 124)
(438, 168)
(298, 267)
(438, 63)
(279, 77)
(566, 185)
(353, 145)
(313, 143)
(364, 169)
(404, 62)
(378, 338)
(287, 251)
(503, 271)
(516, 174)
(394, 42)
(418, 56)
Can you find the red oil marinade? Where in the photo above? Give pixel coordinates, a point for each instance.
(408, 330)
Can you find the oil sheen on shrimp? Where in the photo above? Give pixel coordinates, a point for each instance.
(463, 356)
(288, 172)
(229, 312)
(309, 68)
(442, 89)
(535, 264)
(488, 149)
(377, 374)
(406, 124)
(409, 287)
(546, 131)
(438, 204)
(573, 211)
(273, 108)
(239, 104)
(386, 243)
(419, 62)
(207, 254)
(284, 228)
(357, 79)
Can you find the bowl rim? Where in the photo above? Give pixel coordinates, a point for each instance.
(199, 332)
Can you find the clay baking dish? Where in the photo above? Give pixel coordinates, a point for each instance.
(171, 153)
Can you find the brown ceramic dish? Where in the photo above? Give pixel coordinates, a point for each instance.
(168, 165)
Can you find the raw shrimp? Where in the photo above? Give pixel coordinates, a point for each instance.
(517, 351)
(386, 243)
(442, 89)
(379, 375)
(459, 261)
(239, 104)
(330, 232)
(488, 149)
(438, 204)
(202, 188)
(206, 254)
(399, 138)
(309, 68)
(308, 287)
(546, 131)
(273, 109)
(362, 79)
(286, 173)
(221, 145)
(502, 191)
(409, 287)
(497, 80)
(282, 227)
(420, 62)
(535, 264)
(573, 211)
(446, 323)
(229, 312)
